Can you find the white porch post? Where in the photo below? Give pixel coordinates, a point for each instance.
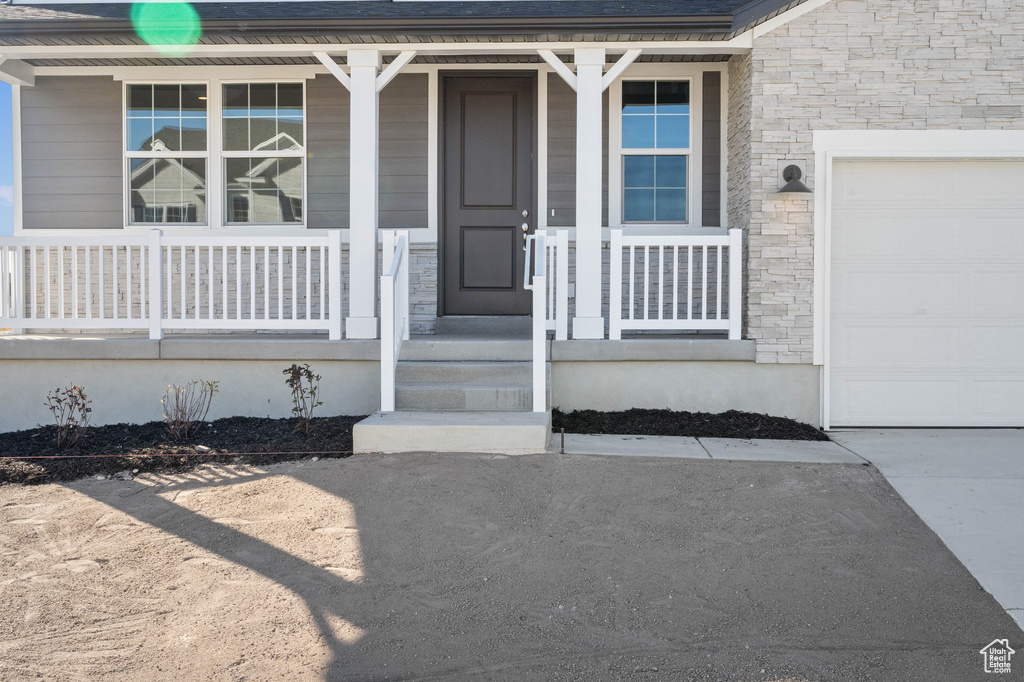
(588, 322)
(364, 65)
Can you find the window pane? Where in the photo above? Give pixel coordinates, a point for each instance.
(638, 204)
(167, 134)
(167, 100)
(236, 100)
(673, 97)
(290, 133)
(671, 171)
(638, 97)
(168, 190)
(638, 132)
(673, 132)
(140, 130)
(236, 134)
(670, 204)
(193, 134)
(140, 100)
(638, 171)
(193, 101)
(264, 190)
(263, 99)
(289, 99)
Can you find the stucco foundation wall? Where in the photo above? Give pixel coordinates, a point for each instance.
(775, 389)
(849, 65)
(130, 390)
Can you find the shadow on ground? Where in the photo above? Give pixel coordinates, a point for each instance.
(429, 567)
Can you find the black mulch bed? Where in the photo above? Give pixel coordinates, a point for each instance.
(235, 440)
(731, 424)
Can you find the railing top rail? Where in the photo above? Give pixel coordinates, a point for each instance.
(675, 240)
(396, 263)
(73, 240)
(298, 240)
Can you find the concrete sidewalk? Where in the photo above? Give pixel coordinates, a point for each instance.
(812, 452)
(968, 486)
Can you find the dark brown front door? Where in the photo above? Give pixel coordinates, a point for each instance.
(488, 184)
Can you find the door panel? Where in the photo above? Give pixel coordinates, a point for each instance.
(488, 183)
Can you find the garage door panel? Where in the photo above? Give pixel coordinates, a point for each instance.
(888, 291)
(927, 293)
(879, 346)
(874, 399)
(996, 292)
(996, 346)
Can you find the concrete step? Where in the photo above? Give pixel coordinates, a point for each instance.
(467, 348)
(513, 433)
(465, 373)
(462, 397)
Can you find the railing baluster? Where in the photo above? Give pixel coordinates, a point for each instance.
(167, 254)
(48, 314)
(195, 281)
(323, 283)
(74, 282)
(5, 281)
(252, 282)
(280, 283)
(129, 281)
(32, 280)
(704, 284)
(661, 282)
(718, 289)
(266, 283)
(143, 278)
(647, 280)
(238, 282)
(675, 282)
(211, 290)
(295, 289)
(309, 282)
(116, 302)
(631, 303)
(224, 279)
(689, 282)
(88, 282)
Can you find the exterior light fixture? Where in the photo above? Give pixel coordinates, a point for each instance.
(791, 175)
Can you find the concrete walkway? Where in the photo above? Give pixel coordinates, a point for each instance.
(967, 485)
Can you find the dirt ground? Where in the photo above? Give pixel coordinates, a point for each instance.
(450, 567)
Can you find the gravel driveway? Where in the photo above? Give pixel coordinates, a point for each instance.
(451, 567)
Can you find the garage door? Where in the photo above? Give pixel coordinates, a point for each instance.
(927, 293)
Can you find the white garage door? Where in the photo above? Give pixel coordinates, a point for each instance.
(927, 293)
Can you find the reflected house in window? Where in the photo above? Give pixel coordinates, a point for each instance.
(267, 189)
(168, 189)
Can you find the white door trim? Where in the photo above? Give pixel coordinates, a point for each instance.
(829, 145)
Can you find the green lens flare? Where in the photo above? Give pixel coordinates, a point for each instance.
(172, 28)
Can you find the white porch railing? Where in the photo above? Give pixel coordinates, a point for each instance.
(394, 311)
(556, 257)
(675, 283)
(159, 282)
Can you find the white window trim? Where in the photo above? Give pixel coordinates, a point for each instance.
(692, 72)
(216, 157)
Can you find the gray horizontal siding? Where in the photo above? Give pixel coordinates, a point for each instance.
(71, 153)
(403, 153)
(562, 154)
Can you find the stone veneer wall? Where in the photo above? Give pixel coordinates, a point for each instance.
(853, 64)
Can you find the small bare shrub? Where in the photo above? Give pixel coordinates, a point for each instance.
(70, 409)
(305, 386)
(186, 407)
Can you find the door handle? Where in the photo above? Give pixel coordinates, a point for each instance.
(526, 233)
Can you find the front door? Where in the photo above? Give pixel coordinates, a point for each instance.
(488, 193)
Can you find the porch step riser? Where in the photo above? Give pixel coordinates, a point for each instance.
(477, 398)
(516, 374)
(466, 350)
(518, 433)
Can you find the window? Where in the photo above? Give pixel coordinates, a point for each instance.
(166, 153)
(263, 152)
(656, 148)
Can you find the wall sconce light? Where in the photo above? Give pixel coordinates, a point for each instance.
(791, 175)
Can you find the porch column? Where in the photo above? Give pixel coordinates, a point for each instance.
(588, 322)
(364, 65)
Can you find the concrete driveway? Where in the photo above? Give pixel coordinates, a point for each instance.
(968, 486)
